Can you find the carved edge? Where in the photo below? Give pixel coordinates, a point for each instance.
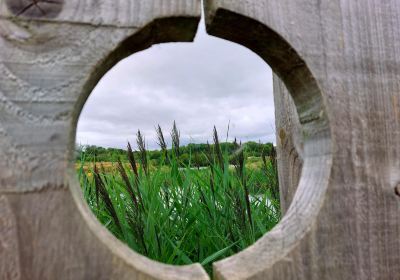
(159, 30)
(170, 29)
(141, 264)
(309, 197)
(106, 13)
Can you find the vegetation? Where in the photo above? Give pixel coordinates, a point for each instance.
(197, 153)
(179, 211)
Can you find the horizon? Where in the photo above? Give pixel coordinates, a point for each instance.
(170, 147)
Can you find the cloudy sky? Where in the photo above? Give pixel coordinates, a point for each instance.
(199, 85)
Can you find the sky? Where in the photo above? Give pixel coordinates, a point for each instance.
(209, 82)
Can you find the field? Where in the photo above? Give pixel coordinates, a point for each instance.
(177, 211)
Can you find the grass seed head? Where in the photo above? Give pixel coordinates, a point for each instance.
(175, 135)
(217, 148)
(142, 151)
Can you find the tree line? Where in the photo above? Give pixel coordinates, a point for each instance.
(195, 154)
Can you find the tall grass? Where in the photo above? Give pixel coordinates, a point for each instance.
(182, 214)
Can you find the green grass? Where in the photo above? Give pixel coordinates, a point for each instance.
(179, 214)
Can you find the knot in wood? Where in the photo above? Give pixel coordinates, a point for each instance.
(35, 8)
(397, 190)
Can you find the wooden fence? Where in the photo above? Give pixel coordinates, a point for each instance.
(337, 96)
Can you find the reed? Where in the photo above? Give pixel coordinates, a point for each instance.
(179, 213)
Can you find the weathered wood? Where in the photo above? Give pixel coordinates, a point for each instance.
(289, 143)
(343, 220)
(339, 61)
(35, 8)
(289, 140)
(117, 13)
(10, 267)
(48, 66)
(48, 69)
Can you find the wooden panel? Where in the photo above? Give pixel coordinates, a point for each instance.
(48, 66)
(339, 61)
(45, 80)
(289, 142)
(52, 240)
(112, 13)
(10, 266)
(342, 222)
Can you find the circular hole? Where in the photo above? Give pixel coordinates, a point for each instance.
(184, 201)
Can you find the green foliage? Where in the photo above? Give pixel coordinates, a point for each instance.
(195, 152)
(182, 213)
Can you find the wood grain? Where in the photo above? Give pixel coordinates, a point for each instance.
(48, 69)
(10, 266)
(351, 229)
(338, 61)
(116, 13)
(289, 142)
(35, 8)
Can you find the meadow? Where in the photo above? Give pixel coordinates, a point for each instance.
(197, 203)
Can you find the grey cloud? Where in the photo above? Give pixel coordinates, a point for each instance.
(201, 84)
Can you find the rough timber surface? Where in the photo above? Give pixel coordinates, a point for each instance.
(343, 223)
(47, 70)
(49, 63)
(339, 60)
(289, 142)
